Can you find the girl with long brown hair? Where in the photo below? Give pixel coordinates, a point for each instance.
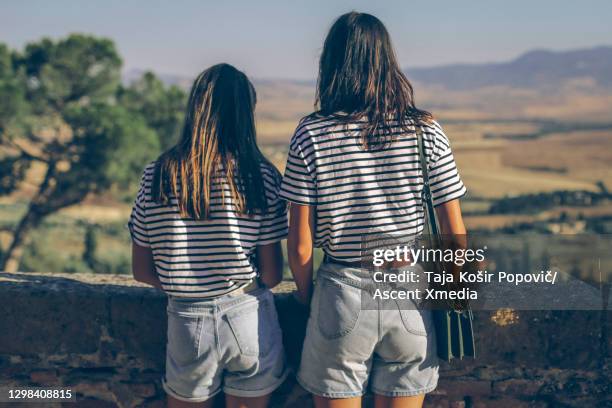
(206, 229)
(352, 177)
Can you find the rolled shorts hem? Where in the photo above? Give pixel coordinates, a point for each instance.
(179, 397)
(406, 393)
(334, 394)
(235, 392)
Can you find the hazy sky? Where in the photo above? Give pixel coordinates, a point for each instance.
(283, 38)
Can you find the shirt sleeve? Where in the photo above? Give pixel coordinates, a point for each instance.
(137, 223)
(298, 184)
(445, 182)
(274, 223)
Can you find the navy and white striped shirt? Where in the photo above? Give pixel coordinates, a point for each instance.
(361, 193)
(206, 258)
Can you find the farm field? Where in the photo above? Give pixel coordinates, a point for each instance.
(502, 141)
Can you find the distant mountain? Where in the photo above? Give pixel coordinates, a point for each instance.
(538, 68)
(534, 69)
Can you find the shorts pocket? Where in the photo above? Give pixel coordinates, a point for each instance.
(339, 307)
(416, 321)
(255, 326)
(184, 334)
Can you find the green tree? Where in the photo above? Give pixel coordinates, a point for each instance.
(161, 106)
(12, 88)
(65, 116)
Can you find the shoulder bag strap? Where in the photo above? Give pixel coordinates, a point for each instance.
(426, 193)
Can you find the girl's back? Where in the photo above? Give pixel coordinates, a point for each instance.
(206, 204)
(209, 257)
(360, 192)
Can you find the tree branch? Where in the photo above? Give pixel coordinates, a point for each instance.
(25, 153)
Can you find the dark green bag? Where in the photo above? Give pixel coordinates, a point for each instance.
(454, 326)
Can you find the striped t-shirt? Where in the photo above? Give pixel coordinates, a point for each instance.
(206, 258)
(360, 193)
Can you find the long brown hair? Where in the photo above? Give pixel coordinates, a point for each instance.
(217, 142)
(359, 76)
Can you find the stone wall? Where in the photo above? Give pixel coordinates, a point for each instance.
(104, 337)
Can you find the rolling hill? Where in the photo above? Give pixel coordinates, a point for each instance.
(538, 68)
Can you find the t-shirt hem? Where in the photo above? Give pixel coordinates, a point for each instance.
(451, 197)
(296, 200)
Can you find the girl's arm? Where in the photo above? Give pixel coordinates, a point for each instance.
(270, 264)
(450, 218)
(299, 248)
(143, 266)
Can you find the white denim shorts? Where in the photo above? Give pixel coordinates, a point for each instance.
(231, 343)
(389, 349)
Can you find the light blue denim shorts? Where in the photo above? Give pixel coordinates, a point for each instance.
(231, 343)
(388, 348)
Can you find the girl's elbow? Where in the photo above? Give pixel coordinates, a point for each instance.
(272, 281)
(299, 252)
(140, 276)
(137, 277)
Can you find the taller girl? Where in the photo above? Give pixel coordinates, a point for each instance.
(352, 174)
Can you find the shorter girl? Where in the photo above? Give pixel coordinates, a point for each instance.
(206, 228)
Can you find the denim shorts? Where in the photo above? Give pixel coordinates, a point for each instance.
(230, 343)
(388, 348)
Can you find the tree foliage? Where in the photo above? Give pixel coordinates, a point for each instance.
(63, 105)
(161, 106)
